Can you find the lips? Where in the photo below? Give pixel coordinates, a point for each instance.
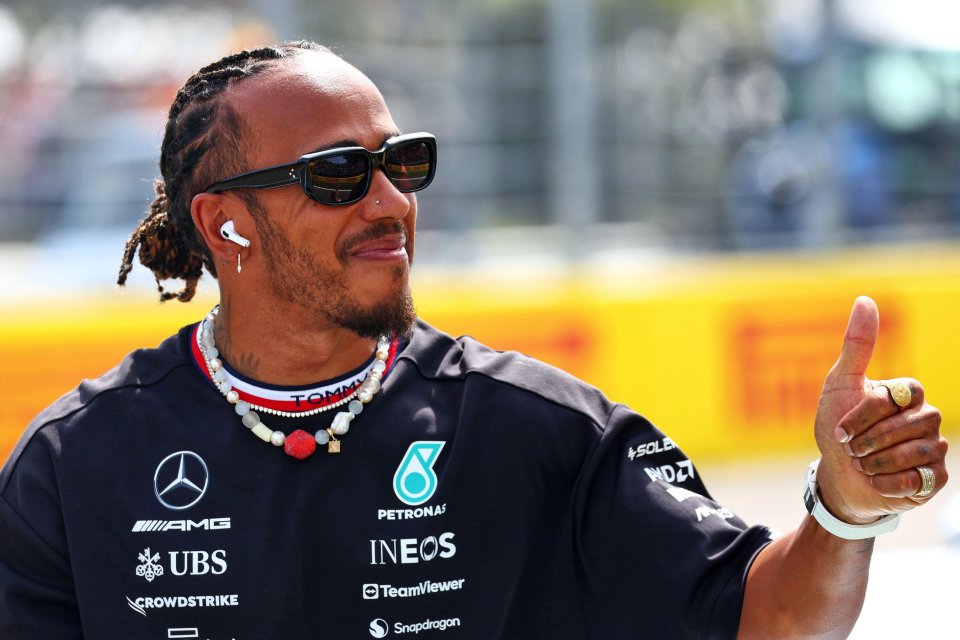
(385, 247)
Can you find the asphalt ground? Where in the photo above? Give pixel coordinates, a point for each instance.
(915, 574)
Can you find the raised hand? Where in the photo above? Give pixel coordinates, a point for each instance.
(870, 446)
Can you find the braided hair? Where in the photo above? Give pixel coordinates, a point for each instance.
(201, 144)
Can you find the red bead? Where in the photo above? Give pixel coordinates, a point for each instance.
(300, 444)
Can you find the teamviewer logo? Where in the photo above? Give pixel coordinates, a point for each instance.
(371, 591)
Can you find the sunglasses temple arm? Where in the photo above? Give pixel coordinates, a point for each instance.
(263, 179)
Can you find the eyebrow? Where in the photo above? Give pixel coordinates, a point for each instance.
(353, 143)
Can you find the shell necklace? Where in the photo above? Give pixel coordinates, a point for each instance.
(299, 443)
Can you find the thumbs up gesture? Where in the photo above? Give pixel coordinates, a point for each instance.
(875, 438)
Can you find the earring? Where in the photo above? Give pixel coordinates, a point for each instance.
(377, 202)
(238, 262)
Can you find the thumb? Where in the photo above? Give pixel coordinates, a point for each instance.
(863, 329)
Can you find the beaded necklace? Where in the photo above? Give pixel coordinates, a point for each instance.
(299, 443)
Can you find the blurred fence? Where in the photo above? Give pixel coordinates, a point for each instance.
(705, 124)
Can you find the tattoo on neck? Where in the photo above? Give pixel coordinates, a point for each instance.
(245, 363)
(226, 306)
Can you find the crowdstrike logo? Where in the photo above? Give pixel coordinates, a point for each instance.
(140, 605)
(415, 480)
(181, 480)
(379, 628)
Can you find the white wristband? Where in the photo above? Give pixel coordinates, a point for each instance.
(839, 528)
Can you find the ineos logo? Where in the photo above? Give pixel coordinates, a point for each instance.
(181, 480)
(379, 628)
(412, 550)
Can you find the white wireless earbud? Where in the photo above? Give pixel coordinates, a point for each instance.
(228, 232)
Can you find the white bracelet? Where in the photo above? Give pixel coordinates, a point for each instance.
(839, 528)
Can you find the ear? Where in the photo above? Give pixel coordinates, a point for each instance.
(209, 212)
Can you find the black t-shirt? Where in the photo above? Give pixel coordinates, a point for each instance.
(479, 495)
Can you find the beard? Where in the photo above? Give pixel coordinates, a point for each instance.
(297, 277)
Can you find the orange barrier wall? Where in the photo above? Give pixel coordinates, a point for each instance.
(725, 354)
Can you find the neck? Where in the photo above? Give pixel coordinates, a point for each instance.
(287, 347)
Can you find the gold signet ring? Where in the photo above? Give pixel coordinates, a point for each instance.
(928, 481)
(899, 392)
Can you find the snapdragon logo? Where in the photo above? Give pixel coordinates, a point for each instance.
(379, 628)
(415, 480)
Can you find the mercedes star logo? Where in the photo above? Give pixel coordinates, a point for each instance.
(180, 480)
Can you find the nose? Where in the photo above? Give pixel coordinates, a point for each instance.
(384, 200)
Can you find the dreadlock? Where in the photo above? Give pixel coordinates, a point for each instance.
(202, 143)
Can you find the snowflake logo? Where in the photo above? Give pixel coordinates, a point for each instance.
(149, 566)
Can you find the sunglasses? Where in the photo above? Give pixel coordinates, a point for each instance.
(342, 176)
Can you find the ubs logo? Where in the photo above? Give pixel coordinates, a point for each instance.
(181, 480)
(182, 563)
(415, 480)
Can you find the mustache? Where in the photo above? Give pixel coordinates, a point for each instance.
(380, 230)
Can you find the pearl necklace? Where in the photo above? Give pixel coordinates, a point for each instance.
(299, 443)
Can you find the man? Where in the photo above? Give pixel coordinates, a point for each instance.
(431, 485)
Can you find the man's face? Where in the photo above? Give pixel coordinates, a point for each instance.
(345, 266)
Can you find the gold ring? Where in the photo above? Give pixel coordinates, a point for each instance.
(900, 393)
(928, 482)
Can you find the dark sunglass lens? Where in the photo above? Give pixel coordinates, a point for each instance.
(338, 179)
(410, 165)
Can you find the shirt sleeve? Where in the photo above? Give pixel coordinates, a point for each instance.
(37, 596)
(660, 558)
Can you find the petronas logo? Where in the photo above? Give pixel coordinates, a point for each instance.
(415, 481)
